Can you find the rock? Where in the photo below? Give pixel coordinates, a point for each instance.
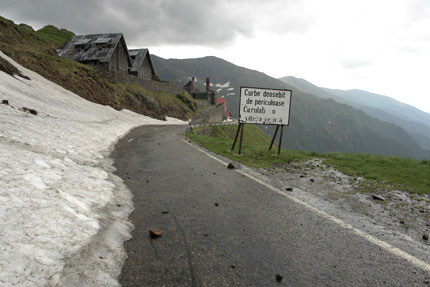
(230, 166)
(378, 197)
(402, 221)
(164, 212)
(425, 236)
(155, 233)
(312, 180)
(233, 266)
(427, 282)
(5, 102)
(279, 277)
(302, 176)
(216, 204)
(118, 205)
(31, 111)
(289, 188)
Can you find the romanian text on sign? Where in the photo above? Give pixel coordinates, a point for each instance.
(264, 106)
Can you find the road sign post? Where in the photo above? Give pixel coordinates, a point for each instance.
(266, 107)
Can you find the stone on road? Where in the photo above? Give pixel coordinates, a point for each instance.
(260, 232)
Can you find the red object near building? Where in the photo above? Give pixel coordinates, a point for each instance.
(220, 101)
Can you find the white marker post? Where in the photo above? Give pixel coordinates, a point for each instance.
(263, 106)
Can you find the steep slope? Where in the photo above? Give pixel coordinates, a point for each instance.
(309, 88)
(317, 124)
(383, 108)
(36, 51)
(54, 35)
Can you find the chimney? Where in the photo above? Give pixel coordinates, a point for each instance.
(208, 88)
(193, 80)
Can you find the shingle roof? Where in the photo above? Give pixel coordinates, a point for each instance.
(95, 46)
(139, 55)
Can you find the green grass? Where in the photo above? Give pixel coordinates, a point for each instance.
(381, 172)
(36, 51)
(54, 35)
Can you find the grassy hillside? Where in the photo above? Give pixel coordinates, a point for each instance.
(321, 125)
(54, 35)
(381, 172)
(416, 123)
(36, 51)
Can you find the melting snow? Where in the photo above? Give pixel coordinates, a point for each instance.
(226, 85)
(59, 198)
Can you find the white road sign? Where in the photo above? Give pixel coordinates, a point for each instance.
(264, 106)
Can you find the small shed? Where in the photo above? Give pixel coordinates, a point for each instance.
(192, 89)
(141, 64)
(191, 86)
(103, 51)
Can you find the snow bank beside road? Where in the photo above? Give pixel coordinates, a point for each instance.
(63, 214)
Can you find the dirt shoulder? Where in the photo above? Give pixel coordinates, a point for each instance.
(407, 214)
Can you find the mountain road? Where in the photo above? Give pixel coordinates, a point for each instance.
(222, 228)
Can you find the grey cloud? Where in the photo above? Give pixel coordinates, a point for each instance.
(205, 23)
(354, 64)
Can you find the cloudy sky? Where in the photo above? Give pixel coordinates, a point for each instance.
(382, 46)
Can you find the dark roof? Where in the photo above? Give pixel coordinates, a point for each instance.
(191, 86)
(94, 47)
(139, 55)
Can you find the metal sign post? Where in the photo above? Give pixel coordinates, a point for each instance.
(274, 136)
(280, 138)
(263, 106)
(239, 129)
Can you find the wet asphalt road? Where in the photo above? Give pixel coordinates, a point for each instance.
(223, 229)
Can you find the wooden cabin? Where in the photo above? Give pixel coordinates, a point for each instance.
(141, 64)
(103, 51)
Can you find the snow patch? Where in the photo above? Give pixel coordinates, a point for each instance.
(41, 163)
(225, 85)
(59, 197)
(35, 180)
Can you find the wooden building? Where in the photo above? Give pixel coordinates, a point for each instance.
(141, 64)
(192, 89)
(103, 51)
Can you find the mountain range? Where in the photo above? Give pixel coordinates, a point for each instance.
(320, 121)
(414, 121)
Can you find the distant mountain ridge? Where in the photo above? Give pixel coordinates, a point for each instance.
(385, 103)
(415, 122)
(317, 124)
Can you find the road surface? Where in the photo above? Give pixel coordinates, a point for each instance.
(221, 228)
